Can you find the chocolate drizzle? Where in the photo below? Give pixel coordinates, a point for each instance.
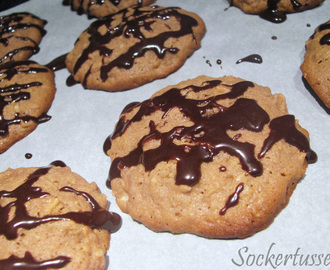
(131, 26)
(273, 15)
(15, 93)
(232, 199)
(213, 127)
(9, 25)
(325, 40)
(207, 137)
(96, 218)
(58, 63)
(284, 128)
(29, 263)
(91, 4)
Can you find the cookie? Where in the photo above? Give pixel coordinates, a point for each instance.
(316, 65)
(27, 90)
(53, 218)
(274, 10)
(215, 157)
(134, 46)
(103, 8)
(20, 35)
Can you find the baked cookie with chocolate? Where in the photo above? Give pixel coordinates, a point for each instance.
(53, 218)
(274, 10)
(103, 8)
(134, 46)
(215, 157)
(20, 35)
(27, 90)
(316, 64)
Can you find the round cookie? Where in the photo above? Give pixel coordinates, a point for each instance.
(53, 218)
(134, 46)
(216, 157)
(27, 90)
(274, 10)
(316, 64)
(20, 35)
(103, 8)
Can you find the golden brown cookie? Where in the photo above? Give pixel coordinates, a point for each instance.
(274, 10)
(52, 218)
(27, 90)
(20, 35)
(134, 46)
(216, 157)
(103, 8)
(316, 65)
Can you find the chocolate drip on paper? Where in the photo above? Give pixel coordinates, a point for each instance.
(30, 263)
(132, 26)
(253, 58)
(58, 63)
(10, 24)
(96, 218)
(15, 93)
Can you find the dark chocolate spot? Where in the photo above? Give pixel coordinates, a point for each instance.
(232, 199)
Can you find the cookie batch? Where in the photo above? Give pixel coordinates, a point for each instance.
(217, 157)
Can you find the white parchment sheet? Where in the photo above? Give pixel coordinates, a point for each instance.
(82, 119)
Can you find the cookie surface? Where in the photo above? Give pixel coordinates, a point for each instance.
(20, 35)
(134, 46)
(27, 90)
(316, 65)
(54, 218)
(103, 8)
(274, 10)
(216, 157)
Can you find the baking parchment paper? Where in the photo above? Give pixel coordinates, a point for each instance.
(82, 119)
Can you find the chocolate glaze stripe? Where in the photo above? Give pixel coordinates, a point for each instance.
(29, 263)
(233, 199)
(80, 9)
(12, 53)
(96, 218)
(13, 93)
(284, 128)
(11, 69)
(213, 128)
(4, 124)
(131, 26)
(10, 24)
(325, 40)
